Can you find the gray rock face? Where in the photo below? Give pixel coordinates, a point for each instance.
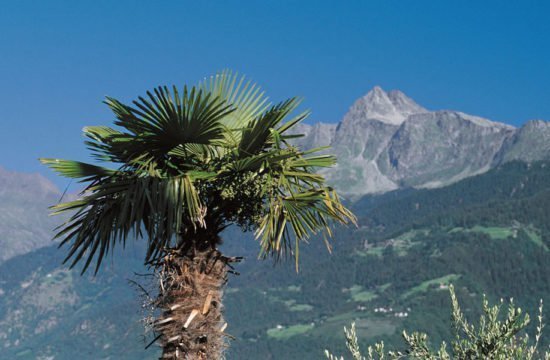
(24, 221)
(529, 143)
(391, 108)
(387, 141)
(438, 148)
(315, 135)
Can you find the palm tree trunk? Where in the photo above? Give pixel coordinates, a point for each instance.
(191, 325)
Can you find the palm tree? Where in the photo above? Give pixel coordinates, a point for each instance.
(185, 165)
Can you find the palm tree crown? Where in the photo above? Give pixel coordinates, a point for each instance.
(186, 164)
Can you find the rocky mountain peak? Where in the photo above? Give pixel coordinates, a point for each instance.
(405, 104)
(387, 141)
(388, 107)
(536, 124)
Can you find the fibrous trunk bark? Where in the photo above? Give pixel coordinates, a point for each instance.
(191, 325)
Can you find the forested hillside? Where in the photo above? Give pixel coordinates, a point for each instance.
(484, 234)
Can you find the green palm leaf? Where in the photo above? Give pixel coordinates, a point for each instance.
(113, 210)
(305, 214)
(190, 163)
(249, 100)
(76, 169)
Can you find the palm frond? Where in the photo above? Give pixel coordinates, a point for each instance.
(259, 134)
(76, 169)
(294, 218)
(113, 209)
(163, 122)
(192, 162)
(248, 99)
(98, 138)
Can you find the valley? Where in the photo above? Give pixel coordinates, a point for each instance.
(485, 234)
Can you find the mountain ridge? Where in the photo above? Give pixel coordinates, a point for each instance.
(387, 141)
(409, 246)
(24, 221)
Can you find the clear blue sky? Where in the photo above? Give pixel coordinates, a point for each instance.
(58, 59)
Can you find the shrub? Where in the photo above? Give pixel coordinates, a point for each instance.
(493, 338)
